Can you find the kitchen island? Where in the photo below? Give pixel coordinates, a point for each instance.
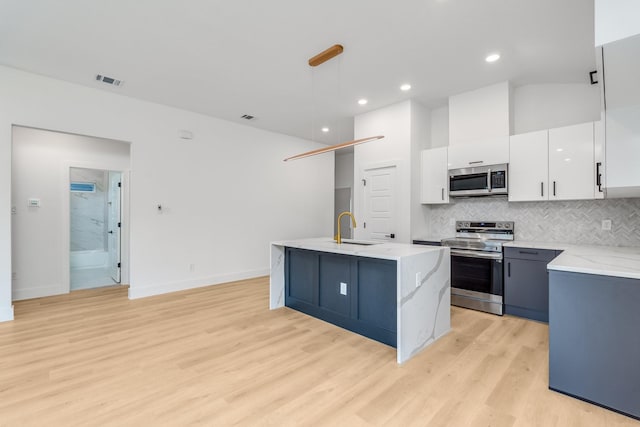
(395, 293)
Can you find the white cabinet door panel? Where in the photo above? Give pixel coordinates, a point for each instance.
(494, 151)
(571, 162)
(529, 167)
(435, 176)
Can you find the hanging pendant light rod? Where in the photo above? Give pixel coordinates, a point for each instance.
(326, 55)
(333, 147)
(321, 58)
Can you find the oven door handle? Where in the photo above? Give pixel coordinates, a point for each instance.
(477, 254)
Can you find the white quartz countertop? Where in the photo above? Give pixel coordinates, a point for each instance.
(617, 261)
(392, 251)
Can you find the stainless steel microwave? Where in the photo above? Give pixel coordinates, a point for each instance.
(479, 181)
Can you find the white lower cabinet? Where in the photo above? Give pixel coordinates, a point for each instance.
(557, 164)
(435, 176)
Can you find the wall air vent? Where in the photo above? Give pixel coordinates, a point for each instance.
(109, 80)
(247, 117)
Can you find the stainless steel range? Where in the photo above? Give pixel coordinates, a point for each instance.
(476, 264)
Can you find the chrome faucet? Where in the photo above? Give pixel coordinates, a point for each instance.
(353, 222)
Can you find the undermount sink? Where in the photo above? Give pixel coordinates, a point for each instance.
(358, 242)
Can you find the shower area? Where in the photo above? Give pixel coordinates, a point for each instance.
(95, 226)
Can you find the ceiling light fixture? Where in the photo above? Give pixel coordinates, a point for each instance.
(320, 58)
(405, 87)
(326, 55)
(492, 57)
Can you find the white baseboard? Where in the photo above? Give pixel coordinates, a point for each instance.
(44, 291)
(6, 314)
(136, 292)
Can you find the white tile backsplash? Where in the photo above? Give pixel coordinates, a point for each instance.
(575, 221)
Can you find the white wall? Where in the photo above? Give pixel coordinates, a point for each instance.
(480, 114)
(344, 170)
(547, 106)
(40, 166)
(226, 193)
(615, 20)
(420, 140)
(439, 127)
(394, 122)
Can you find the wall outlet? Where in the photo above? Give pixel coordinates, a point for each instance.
(14, 210)
(13, 275)
(452, 221)
(192, 268)
(418, 279)
(606, 224)
(343, 288)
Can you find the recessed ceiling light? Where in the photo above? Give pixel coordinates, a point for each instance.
(325, 129)
(405, 87)
(558, 149)
(362, 101)
(493, 57)
(567, 159)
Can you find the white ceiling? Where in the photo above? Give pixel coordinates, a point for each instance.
(229, 58)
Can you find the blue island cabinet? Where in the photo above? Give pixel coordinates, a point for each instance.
(355, 293)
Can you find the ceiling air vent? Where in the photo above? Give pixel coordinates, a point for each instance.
(109, 80)
(247, 117)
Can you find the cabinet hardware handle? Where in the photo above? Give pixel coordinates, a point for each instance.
(392, 235)
(509, 269)
(489, 180)
(599, 177)
(542, 189)
(477, 162)
(442, 191)
(529, 252)
(554, 188)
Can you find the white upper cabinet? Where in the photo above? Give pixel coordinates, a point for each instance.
(554, 164)
(622, 123)
(486, 152)
(529, 167)
(571, 162)
(435, 176)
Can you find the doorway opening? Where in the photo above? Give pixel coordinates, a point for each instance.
(95, 224)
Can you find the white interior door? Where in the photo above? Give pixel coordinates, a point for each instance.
(380, 216)
(114, 224)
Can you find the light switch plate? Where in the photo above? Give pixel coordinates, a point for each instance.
(418, 279)
(606, 224)
(343, 288)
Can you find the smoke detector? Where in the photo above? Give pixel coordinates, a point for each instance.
(109, 80)
(247, 117)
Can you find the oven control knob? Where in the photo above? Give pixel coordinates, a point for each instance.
(499, 225)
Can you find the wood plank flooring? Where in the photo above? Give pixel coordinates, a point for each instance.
(217, 356)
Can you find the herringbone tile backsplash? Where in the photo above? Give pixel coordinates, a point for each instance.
(576, 221)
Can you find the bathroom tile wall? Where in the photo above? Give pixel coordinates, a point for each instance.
(578, 221)
(88, 211)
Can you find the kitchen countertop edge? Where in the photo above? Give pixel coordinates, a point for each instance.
(616, 261)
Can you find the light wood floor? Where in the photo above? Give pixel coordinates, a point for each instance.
(218, 356)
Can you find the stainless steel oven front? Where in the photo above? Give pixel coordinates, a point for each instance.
(476, 280)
